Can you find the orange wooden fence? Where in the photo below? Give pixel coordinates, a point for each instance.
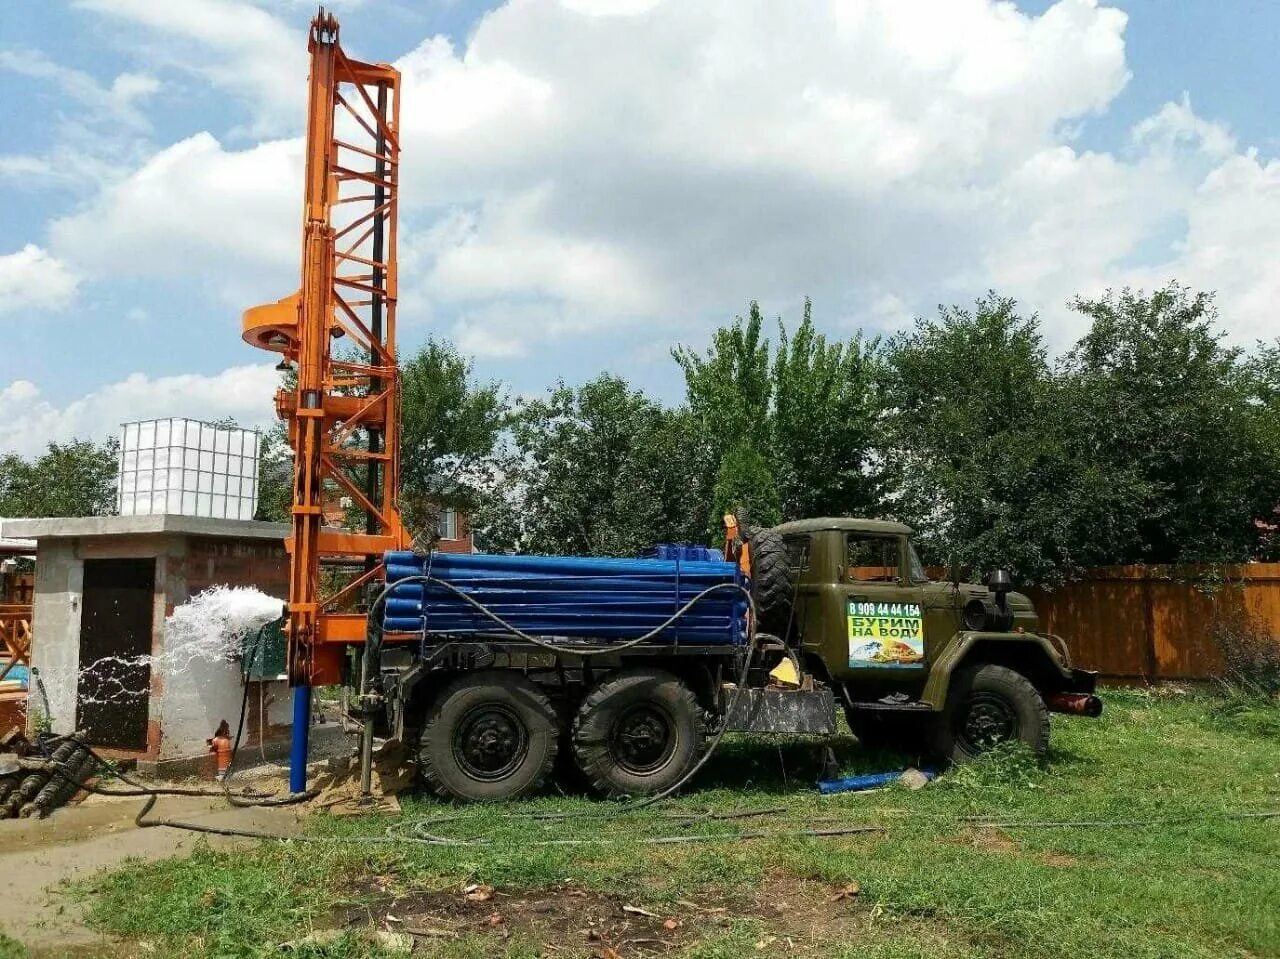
(15, 636)
(1156, 622)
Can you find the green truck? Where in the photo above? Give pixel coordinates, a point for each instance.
(945, 669)
(845, 620)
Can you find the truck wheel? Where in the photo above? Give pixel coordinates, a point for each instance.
(988, 705)
(772, 580)
(489, 735)
(638, 732)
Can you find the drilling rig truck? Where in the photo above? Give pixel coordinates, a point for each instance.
(492, 666)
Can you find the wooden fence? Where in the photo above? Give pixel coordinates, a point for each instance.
(15, 636)
(1156, 622)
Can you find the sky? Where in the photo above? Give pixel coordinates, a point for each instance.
(586, 183)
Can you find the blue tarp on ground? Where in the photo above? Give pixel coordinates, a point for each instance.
(568, 596)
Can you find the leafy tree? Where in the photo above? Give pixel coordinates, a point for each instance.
(790, 432)
(450, 426)
(978, 452)
(599, 469)
(69, 479)
(825, 422)
(745, 484)
(1188, 421)
(275, 476)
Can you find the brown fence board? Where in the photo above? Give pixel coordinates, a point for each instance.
(1135, 622)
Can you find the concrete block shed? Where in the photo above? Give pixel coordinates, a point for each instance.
(103, 588)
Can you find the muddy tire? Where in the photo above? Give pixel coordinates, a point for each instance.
(988, 705)
(488, 736)
(638, 732)
(772, 579)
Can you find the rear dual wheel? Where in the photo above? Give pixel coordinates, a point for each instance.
(638, 732)
(489, 735)
(494, 735)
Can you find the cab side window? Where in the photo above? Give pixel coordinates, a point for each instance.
(871, 559)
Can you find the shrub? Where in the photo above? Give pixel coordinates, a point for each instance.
(1250, 652)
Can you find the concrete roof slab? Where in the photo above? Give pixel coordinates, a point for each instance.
(65, 527)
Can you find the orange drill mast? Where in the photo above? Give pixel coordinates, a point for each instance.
(342, 413)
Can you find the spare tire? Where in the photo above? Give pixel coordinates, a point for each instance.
(773, 581)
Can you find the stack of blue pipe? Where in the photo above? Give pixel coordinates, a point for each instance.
(566, 596)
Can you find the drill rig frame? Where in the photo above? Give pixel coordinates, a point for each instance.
(342, 412)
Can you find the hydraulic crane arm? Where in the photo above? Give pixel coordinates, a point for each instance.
(342, 412)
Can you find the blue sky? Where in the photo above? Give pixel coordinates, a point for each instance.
(591, 181)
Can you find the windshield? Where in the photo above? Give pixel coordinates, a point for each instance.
(915, 568)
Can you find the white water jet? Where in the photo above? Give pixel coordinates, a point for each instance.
(202, 638)
(212, 626)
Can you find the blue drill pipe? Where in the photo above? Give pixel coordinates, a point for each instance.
(301, 734)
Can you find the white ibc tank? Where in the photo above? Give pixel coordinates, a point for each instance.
(188, 468)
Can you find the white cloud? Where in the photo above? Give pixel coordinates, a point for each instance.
(236, 46)
(28, 421)
(121, 100)
(32, 280)
(230, 218)
(24, 166)
(1232, 241)
(580, 165)
(674, 161)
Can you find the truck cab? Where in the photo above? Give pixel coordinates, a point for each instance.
(954, 666)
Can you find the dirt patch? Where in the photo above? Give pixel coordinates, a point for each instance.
(796, 916)
(565, 918)
(40, 855)
(993, 840)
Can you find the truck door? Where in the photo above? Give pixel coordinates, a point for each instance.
(883, 607)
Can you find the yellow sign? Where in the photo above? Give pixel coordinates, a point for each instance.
(885, 634)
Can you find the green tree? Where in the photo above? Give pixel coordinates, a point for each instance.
(745, 484)
(450, 425)
(275, 476)
(1190, 422)
(790, 432)
(825, 422)
(599, 469)
(979, 454)
(69, 479)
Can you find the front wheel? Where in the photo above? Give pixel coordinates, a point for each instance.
(490, 735)
(988, 705)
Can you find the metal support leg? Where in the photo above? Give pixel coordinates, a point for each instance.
(366, 758)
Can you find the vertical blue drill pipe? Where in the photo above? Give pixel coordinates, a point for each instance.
(301, 734)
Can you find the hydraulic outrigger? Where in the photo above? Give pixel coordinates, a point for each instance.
(342, 409)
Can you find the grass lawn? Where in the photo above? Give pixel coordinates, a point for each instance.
(932, 884)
